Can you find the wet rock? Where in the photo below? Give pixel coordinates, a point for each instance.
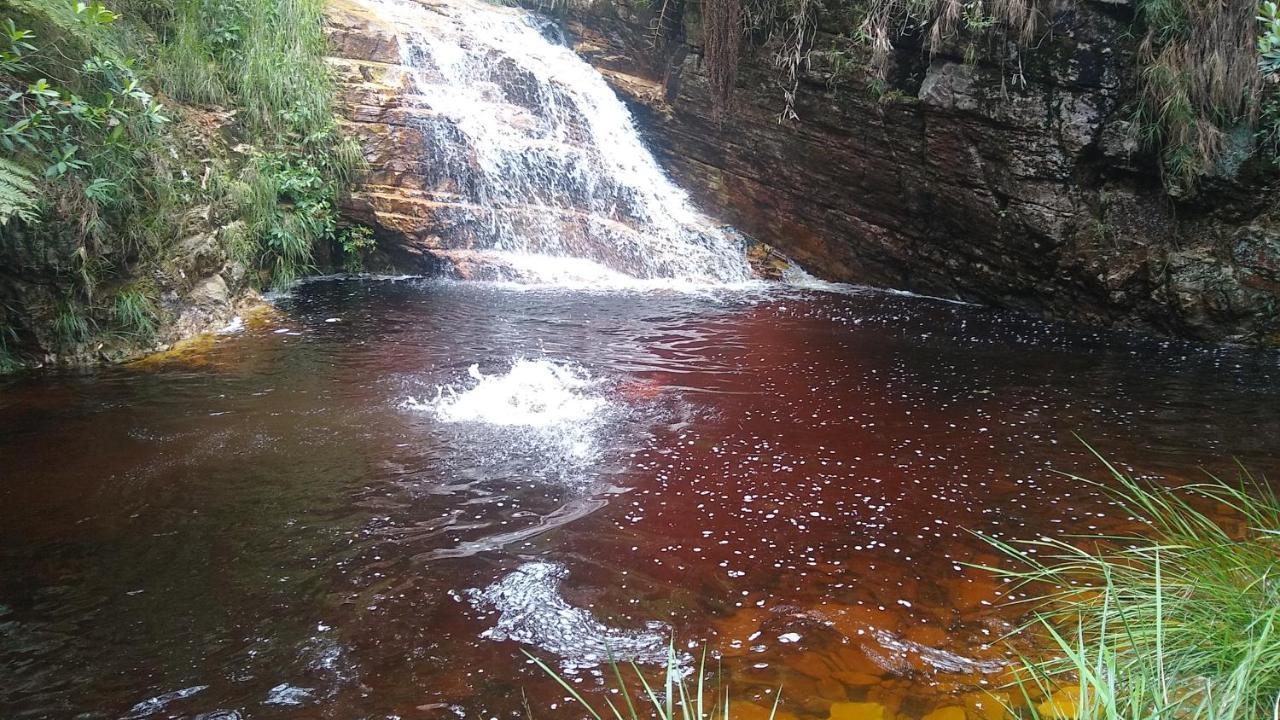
(199, 255)
(948, 86)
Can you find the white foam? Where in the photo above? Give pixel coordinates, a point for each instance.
(154, 705)
(532, 394)
(286, 694)
(532, 611)
(534, 271)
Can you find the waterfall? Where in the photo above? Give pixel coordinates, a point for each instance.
(535, 165)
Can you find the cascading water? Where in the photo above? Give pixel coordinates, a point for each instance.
(537, 169)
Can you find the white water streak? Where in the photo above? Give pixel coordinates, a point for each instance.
(533, 149)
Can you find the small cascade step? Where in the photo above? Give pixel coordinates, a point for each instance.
(493, 135)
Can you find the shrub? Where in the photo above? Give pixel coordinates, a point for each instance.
(95, 182)
(355, 242)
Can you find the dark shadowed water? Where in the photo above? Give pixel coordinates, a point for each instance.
(333, 517)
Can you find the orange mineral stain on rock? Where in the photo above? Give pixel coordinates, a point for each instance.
(191, 351)
(858, 711)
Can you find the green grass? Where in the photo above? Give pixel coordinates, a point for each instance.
(282, 81)
(186, 67)
(1179, 621)
(675, 699)
(134, 312)
(71, 325)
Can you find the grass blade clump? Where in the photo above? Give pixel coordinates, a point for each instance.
(678, 701)
(1180, 621)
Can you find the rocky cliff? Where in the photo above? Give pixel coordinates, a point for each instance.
(1012, 181)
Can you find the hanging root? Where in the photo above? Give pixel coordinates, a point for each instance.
(722, 33)
(886, 20)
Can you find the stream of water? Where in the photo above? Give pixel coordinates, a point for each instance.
(373, 507)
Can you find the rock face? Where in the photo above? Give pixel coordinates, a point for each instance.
(395, 197)
(1012, 181)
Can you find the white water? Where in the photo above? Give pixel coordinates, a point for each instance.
(538, 163)
(553, 411)
(532, 611)
(533, 394)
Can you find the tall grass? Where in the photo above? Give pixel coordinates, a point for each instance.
(267, 58)
(187, 67)
(675, 699)
(133, 310)
(283, 82)
(1179, 621)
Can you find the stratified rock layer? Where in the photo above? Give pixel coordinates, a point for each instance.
(1013, 181)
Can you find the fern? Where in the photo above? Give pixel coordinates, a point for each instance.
(19, 195)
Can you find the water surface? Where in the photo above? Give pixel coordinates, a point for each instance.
(338, 517)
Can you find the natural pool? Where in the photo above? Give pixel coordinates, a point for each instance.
(335, 516)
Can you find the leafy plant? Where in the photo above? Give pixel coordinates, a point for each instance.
(289, 202)
(355, 241)
(677, 701)
(19, 195)
(1269, 37)
(1182, 620)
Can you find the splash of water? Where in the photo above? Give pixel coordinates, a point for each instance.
(534, 159)
(533, 394)
(544, 409)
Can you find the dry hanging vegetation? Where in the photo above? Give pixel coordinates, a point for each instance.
(1198, 74)
(1197, 64)
(722, 34)
(887, 20)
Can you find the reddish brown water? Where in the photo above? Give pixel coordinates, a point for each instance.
(272, 528)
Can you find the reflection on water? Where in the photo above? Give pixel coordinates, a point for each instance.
(277, 530)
